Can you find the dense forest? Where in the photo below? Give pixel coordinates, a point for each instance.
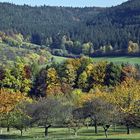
(71, 31)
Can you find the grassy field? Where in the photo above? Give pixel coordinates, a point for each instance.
(59, 59)
(64, 134)
(131, 60)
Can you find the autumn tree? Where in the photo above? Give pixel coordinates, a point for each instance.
(83, 80)
(126, 97)
(8, 102)
(87, 48)
(106, 49)
(133, 48)
(128, 71)
(69, 74)
(52, 82)
(17, 77)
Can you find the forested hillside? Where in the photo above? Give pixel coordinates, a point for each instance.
(118, 25)
(74, 31)
(45, 21)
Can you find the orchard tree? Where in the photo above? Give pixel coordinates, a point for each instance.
(100, 112)
(93, 109)
(126, 97)
(8, 102)
(48, 112)
(76, 120)
(19, 117)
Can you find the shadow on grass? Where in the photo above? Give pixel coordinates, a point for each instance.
(14, 137)
(110, 139)
(90, 134)
(91, 139)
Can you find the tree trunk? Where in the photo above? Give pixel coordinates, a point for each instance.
(106, 127)
(46, 130)
(69, 129)
(128, 130)
(96, 127)
(75, 132)
(8, 128)
(21, 132)
(114, 127)
(8, 125)
(106, 135)
(87, 125)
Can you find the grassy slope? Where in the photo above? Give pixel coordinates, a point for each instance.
(8, 54)
(131, 60)
(59, 59)
(63, 133)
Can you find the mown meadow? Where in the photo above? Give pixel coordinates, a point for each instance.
(66, 134)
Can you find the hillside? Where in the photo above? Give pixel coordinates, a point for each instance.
(120, 23)
(16, 47)
(73, 31)
(43, 20)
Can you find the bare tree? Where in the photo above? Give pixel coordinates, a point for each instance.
(100, 112)
(76, 120)
(47, 113)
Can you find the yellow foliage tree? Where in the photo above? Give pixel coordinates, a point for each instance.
(127, 96)
(53, 83)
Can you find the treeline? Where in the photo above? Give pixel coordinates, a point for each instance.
(62, 78)
(49, 26)
(73, 94)
(67, 47)
(16, 42)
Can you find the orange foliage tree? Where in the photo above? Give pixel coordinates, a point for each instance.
(8, 101)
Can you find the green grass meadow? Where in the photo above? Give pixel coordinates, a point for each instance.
(65, 134)
(131, 60)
